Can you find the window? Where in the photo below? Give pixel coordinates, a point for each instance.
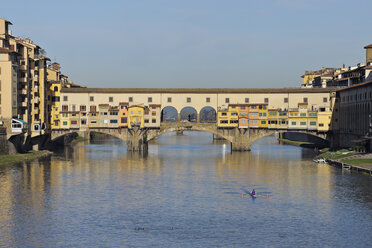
(114, 113)
(149, 99)
(92, 108)
(124, 120)
(263, 122)
(65, 123)
(73, 114)
(93, 121)
(243, 121)
(91, 98)
(146, 120)
(93, 114)
(242, 107)
(253, 121)
(253, 114)
(83, 108)
(111, 99)
(293, 123)
(305, 99)
(169, 99)
(272, 113)
(224, 113)
(321, 125)
(208, 99)
(130, 99)
(188, 99)
(312, 123)
(246, 100)
(224, 122)
(233, 121)
(285, 99)
(113, 121)
(83, 122)
(266, 100)
(153, 113)
(303, 114)
(325, 99)
(64, 107)
(227, 100)
(303, 123)
(74, 122)
(65, 98)
(153, 120)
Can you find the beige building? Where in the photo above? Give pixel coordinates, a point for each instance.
(355, 115)
(22, 80)
(317, 99)
(152, 115)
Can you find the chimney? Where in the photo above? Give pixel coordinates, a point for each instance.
(368, 53)
(56, 66)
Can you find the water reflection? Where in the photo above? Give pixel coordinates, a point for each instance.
(186, 191)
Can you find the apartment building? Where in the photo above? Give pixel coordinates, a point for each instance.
(23, 80)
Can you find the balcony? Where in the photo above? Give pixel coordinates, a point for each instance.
(24, 104)
(23, 67)
(24, 92)
(23, 80)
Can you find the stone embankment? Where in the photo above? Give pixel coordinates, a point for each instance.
(358, 162)
(349, 160)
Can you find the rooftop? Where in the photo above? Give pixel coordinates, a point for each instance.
(197, 90)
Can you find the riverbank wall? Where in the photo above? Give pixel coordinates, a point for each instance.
(343, 165)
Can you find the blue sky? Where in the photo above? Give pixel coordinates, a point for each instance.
(203, 44)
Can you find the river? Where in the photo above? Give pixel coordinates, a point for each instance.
(186, 192)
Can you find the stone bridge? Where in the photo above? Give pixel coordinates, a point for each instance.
(137, 138)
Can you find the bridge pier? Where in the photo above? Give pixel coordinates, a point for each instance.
(240, 146)
(240, 140)
(137, 140)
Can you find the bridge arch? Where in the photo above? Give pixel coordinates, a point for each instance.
(201, 128)
(319, 139)
(208, 114)
(189, 114)
(169, 113)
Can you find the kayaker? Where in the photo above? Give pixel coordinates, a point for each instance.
(253, 192)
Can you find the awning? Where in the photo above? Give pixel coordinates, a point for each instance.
(19, 120)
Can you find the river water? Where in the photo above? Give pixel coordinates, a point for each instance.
(186, 192)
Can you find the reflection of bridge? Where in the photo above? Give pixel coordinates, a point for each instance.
(137, 138)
